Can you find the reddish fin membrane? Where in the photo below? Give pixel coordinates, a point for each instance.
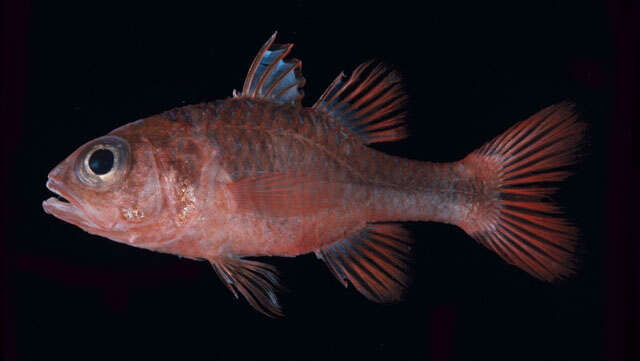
(521, 225)
(257, 282)
(375, 261)
(370, 103)
(272, 78)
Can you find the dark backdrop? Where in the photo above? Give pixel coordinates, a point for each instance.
(471, 70)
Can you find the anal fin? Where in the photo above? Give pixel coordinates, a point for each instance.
(374, 260)
(257, 282)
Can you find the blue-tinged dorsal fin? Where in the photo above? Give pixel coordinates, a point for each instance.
(272, 78)
(370, 103)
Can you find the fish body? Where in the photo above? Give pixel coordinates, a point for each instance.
(260, 175)
(207, 148)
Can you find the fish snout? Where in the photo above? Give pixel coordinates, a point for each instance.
(57, 173)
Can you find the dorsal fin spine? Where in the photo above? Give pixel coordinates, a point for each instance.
(281, 77)
(273, 78)
(254, 65)
(267, 72)
(286, 89)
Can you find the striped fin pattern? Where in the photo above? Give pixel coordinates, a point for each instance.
(371, 103)
(272, 78)
(375, 261)
(526, 230)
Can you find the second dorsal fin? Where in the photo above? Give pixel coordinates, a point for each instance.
(272, 78)
(370, 103)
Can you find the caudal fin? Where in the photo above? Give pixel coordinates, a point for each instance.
(521, 224)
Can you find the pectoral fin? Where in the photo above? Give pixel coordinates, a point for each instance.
(285, 194)
(257, 282)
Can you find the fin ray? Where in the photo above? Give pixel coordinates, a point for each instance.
(257, 282)
(371, 107)
(523, 226)
(375, 261)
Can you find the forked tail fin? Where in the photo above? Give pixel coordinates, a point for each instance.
(519, 223)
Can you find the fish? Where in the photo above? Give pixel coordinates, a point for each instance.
(258, 175)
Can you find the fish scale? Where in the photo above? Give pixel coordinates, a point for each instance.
(277, 144)
(392, 190)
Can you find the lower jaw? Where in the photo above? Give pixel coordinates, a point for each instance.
(67, 212)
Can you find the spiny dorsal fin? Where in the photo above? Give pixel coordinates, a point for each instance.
(375, 261)
(272, 78)
(372, 105)
(257, 282)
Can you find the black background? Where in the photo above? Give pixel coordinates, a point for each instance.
(471, 70)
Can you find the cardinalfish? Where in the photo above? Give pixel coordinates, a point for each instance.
(258, 174)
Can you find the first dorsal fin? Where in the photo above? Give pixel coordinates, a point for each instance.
(370, 103)
(272, 78)
(375, 261)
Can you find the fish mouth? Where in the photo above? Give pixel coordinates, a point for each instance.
(65, 207)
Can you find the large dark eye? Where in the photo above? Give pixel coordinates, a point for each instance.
(101, 161)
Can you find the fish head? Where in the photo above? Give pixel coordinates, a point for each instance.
(111, 187)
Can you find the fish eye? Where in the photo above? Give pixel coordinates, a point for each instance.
(103, 162)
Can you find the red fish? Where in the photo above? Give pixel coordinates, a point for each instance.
(260, 175)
